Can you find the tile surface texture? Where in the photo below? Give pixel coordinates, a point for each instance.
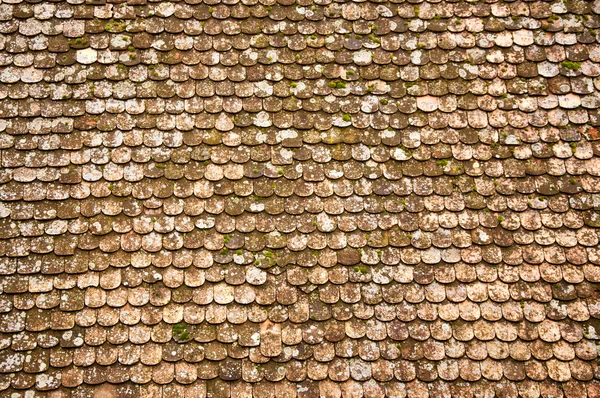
(309, 198)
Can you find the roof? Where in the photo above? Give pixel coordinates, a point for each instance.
(282, 198)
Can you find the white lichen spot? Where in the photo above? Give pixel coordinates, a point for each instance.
(262, 119)
(272, 56)
(261, 137)
(255, 338)
(165, 9)
(388, 133)
(285, 134)
(87, 56)
(362, 57)
(205, 223)
(483, 236)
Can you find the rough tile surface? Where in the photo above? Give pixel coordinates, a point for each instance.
(309, 198)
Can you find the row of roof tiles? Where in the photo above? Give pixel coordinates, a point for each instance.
(207, 302)
(327, 388)
(297, 371)
(303, 9)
